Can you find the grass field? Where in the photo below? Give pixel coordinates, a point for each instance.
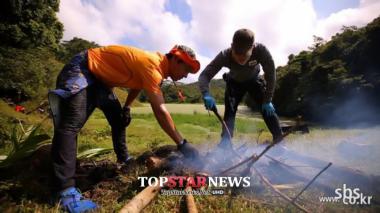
(191, 120)
(203, 130)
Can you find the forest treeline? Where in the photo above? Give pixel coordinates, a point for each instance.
(335, 81)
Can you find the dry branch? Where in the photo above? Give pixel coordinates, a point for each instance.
(279, 162)
(255, 157)
(316, 176)
(285, 186)
(266, 181)
(252, 158)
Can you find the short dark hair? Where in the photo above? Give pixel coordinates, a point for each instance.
(243, 40)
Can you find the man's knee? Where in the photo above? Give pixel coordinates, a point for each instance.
(72, 126)
(117, 127)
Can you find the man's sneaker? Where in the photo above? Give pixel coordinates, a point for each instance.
(71, 200)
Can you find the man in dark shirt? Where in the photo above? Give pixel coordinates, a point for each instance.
(243, 59)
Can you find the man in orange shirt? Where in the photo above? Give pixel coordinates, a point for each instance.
(86, 83)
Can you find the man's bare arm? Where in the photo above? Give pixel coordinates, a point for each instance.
(132, 94)
(163, 116)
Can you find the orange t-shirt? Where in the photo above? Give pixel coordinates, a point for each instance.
(130, 67)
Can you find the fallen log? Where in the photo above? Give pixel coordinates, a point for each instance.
(190, 202)
(266, 181)
(141, 200)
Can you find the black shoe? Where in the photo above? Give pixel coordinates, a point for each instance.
(278, 139)
(127, 160)
(126, 163)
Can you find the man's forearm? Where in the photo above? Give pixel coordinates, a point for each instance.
(132, 94)
(163, 117)
(210, 71)
(269, 69)
(271, 81)
(203, 83)
(166, 122)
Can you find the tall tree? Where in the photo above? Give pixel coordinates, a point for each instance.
(336, 81)
(27, 73)
(69, 48)
(30, 23)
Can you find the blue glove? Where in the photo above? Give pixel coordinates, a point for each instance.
(209, 101)
(268, 109)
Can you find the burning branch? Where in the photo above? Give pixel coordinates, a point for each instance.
(266, 181)
(255, 157)
(225, 129)
(279, 162)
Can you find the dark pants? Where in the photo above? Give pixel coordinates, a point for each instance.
(75, 111)
(234, 94)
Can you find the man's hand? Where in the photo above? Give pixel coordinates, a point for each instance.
(126, 116)
(268, 109)
(209, 101)
(188, 150)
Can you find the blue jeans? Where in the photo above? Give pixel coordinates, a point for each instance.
(74, 112)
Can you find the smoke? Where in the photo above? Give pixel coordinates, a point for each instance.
(355, 112)
(352, 108)
(295, 161)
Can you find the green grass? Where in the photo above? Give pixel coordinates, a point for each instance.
(9, 118)
(199, 128)
(177, 109)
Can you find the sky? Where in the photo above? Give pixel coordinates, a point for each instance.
(284, 26)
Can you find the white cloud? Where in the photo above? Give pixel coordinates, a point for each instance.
(85, 21)
(285, 26)
(145, 23)
(277, 24)
(365, 13)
